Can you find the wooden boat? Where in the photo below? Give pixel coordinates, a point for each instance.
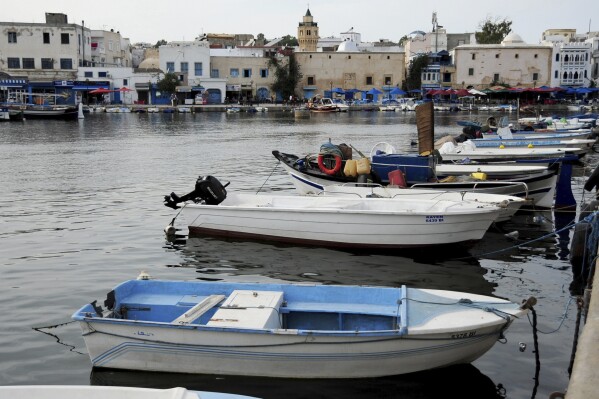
(348, 222)
(106, 392)
(533, 182)
(289, 330)
(33, 111)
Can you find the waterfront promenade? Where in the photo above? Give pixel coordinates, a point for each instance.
(584, 382)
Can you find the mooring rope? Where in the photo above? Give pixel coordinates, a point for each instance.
(58, 340)
(536, 352)
(273, 171)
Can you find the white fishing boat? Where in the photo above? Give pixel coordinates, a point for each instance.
(531, 181)
(532, 143)
(118, 110)
(508, 203)
(469, 150)
(541, 135)
(289, 330)
(343, 222)
(491, 170)
(106, 392)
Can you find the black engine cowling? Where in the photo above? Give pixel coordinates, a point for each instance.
(208, 189)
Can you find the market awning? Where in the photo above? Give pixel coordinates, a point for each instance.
(142, 86)
(13, 82)
(89, 87)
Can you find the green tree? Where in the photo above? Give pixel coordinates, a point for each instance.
(493, 31)
(168, 84)
(414, 78)
(289, 41)
(159, 43)
(287, 75)
(403, 40)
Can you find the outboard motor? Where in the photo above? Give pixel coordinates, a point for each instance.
(208, 190)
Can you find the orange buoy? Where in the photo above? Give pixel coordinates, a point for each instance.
(326, 170)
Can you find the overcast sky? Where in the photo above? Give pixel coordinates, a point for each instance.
(152, 20)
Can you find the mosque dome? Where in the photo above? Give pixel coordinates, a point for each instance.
(347, 46)
(512, 38)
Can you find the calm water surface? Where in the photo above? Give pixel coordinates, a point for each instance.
(81, 211)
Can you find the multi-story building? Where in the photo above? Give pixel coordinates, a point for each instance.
(109, 48)
(593, 39)
(190, 62)
(347, 69)
(571, 64)
(346, 63)
(512, 63)
(246, 72)
(44, 57)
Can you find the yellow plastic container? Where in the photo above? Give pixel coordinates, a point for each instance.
(363, 166)
(351, 168)
(479, 175)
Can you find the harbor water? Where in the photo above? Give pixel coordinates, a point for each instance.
(81, 211)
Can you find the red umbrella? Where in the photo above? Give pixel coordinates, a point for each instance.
(122, 89)
(462, 93)
(100, 91)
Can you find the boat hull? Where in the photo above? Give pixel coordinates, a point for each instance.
(276, 354)
(303, 220)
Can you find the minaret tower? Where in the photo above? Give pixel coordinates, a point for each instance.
(307, 33)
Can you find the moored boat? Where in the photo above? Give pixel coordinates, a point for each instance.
(33, 111)
(347, 222)
(533, 182)
(289, 330)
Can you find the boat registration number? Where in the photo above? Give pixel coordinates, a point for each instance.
(434, 219)
(468, 334)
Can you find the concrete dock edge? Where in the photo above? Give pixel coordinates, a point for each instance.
(584, 382)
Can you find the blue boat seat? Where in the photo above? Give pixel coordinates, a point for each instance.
(355, 308)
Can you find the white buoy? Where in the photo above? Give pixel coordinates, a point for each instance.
(512, 235)
(170, 230)
(80, 111)
(144, 276)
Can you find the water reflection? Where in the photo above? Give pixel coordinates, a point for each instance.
(463, 381)
(247, 260)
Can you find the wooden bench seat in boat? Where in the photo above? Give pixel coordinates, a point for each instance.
(199, 309)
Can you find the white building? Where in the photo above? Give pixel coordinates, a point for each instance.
(135, 84)
(513, 63)
(49, 51)
(593, 39)
(571, 64)
(190, 62)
